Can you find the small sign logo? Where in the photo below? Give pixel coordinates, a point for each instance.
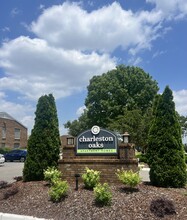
(95, 129)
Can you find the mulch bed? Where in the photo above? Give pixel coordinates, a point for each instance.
(146, 202)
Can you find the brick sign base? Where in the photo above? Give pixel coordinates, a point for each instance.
(108, 165)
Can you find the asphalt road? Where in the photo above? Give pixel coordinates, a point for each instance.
(9, 170)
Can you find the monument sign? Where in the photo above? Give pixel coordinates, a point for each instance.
(96, 141)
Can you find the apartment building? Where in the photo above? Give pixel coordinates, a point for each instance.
(13, 134)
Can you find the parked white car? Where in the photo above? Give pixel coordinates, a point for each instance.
(2, 159)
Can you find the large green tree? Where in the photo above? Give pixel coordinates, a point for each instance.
(77, 126)
(119, 100)
(44, 141)
(165, 152)
(136, 123)
(124, 88)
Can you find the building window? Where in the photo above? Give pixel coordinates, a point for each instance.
(16, 145)
(17, 133)
(70, 141)
(3, 145)
(4, 131)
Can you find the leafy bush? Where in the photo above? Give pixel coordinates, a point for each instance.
(102, 193)
(142, 158)
(58, 190)
(52, 175)
(90, 178)
(4, 150)
(128, 178)
(161, 207)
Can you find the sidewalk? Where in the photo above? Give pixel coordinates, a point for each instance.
(144, 173)
(6, 216)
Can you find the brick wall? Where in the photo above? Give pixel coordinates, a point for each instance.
(10, 139)
(108, 168)
(108, 165)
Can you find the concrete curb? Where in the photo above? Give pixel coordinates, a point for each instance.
(6, 216)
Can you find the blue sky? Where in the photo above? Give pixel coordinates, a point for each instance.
(58, 46)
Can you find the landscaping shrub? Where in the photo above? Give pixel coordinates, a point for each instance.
(44, 142)
(52, 175)
(4, 150)
(142, 157)
(58, 190)
(10, 192)
(90, 178)
(3, 184)
(102, 193)
(185, 158)
(165, 151)
(128, 177)
(18, 178)
(185, 147)
(161, 207)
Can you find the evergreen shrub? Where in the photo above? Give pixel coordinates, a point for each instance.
(44, 142)
(142, 158)
(165, 153)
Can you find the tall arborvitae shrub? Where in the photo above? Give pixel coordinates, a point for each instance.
(44, 141)
(165, 152)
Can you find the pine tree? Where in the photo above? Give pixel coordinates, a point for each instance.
(165, 152)
(44, 141)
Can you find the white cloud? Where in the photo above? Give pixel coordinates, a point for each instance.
(171, 9)
(21, 112)
(90, 3)
(14, 12)
(34, 68)
(158, 53)
(41, 7)
(63, 130)
(6, 29)
(180, 99)
(135, 61)
(2, 95)
(28, 121)
(71, 27)
(72, 45)
(63, 58)
(80, 110)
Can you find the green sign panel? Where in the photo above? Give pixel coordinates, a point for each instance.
(96, 141)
